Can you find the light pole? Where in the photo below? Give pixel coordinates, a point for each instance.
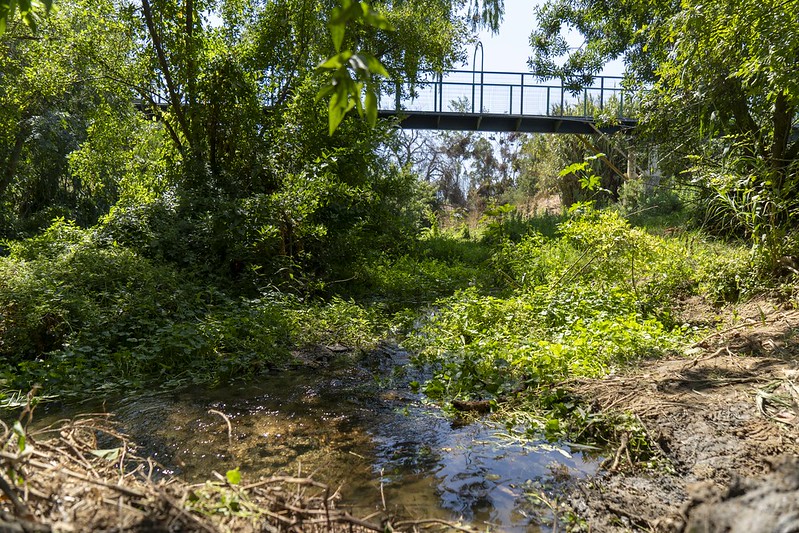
(479, 46)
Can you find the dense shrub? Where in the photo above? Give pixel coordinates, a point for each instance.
(636, 197)
(79, 314)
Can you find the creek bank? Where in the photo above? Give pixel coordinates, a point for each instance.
(723, 420)
(770, 505)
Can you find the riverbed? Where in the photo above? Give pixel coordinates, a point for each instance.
(354, 423)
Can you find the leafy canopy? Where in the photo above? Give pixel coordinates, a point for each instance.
(29, 11)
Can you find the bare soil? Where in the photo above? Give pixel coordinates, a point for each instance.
(725, 422)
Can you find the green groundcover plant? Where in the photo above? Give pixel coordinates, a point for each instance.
(587, 302)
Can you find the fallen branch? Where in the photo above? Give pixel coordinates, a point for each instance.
(433, 521)
(227, 421)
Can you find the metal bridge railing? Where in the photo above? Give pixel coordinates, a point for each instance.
(504, 93)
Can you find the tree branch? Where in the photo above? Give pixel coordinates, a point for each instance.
(174, 95)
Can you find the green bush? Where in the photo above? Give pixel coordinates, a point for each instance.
(485, 346)
(725, 272)
(337, 321)
(410, 281)
(80, 314)
(584, 303)
(635, 197)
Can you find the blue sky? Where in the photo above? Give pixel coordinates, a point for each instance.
(509, 50)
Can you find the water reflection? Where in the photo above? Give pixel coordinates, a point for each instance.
(345, 426)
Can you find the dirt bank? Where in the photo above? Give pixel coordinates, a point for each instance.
(725, 423)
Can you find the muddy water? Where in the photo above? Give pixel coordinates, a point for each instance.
(357, 425)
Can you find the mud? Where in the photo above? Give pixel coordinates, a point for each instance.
(725, 422)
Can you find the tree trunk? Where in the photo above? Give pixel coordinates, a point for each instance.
(175, 101)
(783, 115)
(12, 163)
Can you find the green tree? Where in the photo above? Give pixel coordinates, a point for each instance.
(28, 11)
(228, 159)
(52, 90)
(722, 92)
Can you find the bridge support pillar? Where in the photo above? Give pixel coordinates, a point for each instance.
(653, 174)
(632, 172)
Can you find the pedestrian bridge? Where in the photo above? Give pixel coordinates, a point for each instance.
(507, 102)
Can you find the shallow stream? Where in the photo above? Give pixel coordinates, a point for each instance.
(357, 425)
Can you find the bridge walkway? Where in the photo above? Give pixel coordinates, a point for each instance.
(507, 102)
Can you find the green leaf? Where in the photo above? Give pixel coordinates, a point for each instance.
(335, 113)
(375, 19)
(371, 107)
(332, 63)
(337, 33)
(109, 454)
(20, 432)
(373, 64)
(233, 476)
(573, 169)
(357, 11)
(344, 92)
(346, 13)
(325, 91)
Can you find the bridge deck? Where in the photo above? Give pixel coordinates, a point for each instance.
(428, 120)
(499, 101)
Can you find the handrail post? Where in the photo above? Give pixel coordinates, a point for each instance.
(435, 97)
(472, 93)
(474, 69)
(548, 110)
(562, 91)
(477, 46)
(510, 111)
(602, 93)
(397, 96)
(585, 102)
(441, 92)
(482, 73)
(521, 97)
